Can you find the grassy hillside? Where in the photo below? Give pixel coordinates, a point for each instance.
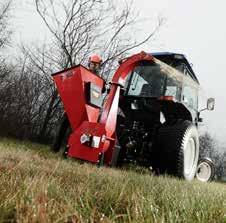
(38, 186)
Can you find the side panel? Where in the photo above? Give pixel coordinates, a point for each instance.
(71, 85)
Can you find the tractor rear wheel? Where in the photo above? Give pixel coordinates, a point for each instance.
(178, 149)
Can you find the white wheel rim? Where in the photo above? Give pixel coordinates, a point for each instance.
(189, 156)
(204, 171)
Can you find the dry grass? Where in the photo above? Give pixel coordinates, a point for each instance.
(38, 186)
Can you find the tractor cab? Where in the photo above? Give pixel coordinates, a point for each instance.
(175, 88)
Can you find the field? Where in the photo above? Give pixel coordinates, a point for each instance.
(39, 186)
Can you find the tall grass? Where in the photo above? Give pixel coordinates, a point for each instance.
(38, 186)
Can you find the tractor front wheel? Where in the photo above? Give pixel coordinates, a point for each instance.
(205, 170)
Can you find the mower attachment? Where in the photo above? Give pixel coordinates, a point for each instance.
(93, 124)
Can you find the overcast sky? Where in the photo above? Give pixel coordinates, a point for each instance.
(194, 28)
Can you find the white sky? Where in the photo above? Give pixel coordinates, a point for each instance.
(194, 28)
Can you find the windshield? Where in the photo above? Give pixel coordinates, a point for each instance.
(153, 80)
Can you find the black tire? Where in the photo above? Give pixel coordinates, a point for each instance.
(62, 134)
(115, 155)
(205, 170)
(177, 150)
(118, 152)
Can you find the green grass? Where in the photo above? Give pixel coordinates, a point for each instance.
(38, 186)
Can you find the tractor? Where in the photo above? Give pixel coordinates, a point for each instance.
(148, 117)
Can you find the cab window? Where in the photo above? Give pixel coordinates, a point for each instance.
(190, 97)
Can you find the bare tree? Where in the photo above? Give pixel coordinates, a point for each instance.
(5, 31)
(209, 147)
(25, 91)
(24, 98)
(50, 106)
(78, 28)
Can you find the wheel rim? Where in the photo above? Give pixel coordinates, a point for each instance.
(189, 156)
(204, 172)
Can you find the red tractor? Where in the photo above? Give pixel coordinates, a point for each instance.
(149, 117)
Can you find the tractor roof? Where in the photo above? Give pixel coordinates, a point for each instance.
(168, 57)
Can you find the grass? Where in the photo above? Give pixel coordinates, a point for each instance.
(39, 186)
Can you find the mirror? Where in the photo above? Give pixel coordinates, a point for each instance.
(210, 103)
